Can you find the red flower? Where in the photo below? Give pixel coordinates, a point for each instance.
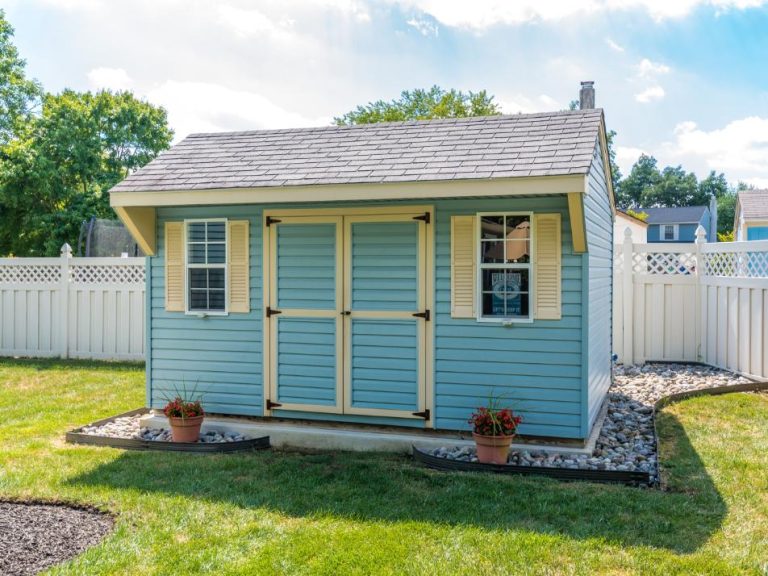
(180, 408)
(492, 421)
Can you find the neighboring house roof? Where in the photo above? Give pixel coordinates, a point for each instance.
(550, 144)
(677, 215)
(622, 214)
(754, 204)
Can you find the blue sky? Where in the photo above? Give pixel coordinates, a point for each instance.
(684, 80)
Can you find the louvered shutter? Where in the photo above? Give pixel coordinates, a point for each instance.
(238, 268)
(547, 267)
(174, 266)
(463, 266)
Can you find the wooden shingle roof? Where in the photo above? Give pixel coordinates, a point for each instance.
(549, 144)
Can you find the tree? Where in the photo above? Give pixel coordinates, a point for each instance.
(19, 96)
(615, 171)
(423, 105)
(644, 175)
(58, 172)
(676, 187)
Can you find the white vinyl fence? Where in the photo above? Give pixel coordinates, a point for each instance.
(697, 302)
(72, 307)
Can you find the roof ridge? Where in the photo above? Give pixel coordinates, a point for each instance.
(400, 123)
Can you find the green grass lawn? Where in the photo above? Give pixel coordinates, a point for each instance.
(344, 513)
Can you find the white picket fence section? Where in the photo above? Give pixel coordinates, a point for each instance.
(692, 303)
(72, 307)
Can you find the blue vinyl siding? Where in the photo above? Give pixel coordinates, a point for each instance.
(599, 223)
(686, 232)
(384, 265)
(385, 364)
(536, 367)
(306, 264)
(757, 233)
(306, 368)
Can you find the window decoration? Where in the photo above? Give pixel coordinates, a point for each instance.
(504, 277)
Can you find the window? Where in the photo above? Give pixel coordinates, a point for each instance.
(669, 232)
(207, 266)
(504, 273)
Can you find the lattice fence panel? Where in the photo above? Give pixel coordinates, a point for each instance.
(736, 264)
(664, 263)
(30, 274)
(107, 274)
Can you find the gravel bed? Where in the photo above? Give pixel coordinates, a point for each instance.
(128, 427)
(626, 441)
(34, 537)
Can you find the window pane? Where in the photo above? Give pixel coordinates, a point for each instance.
(217, 253)
(198, 278)
(196, 231)
(518, 251)
(492, 227)
(216, 299)
(198, 300)
(492, 252)
(196, 253)
(216, 231)
(505, 293)
(517, 224)
(216, 278)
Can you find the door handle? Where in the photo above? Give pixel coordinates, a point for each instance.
(346, 313)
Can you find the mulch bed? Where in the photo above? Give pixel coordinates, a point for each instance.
(35, 536)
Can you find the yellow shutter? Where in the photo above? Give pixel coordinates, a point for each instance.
(238, 269)
(174, 266)
(546, 268)
(463, 266)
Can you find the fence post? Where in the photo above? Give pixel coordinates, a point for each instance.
(66, 254)
(701, 238)
(628, 299)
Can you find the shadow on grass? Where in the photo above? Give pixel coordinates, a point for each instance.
(391, 488)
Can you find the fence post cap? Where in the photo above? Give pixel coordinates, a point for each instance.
(66, 250)
(701, 234)
(627, 233)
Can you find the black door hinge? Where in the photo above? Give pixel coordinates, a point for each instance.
(424, 414)
(426, 217)
(269, 221)
(424, 315)
(272, 312)
(271, 404)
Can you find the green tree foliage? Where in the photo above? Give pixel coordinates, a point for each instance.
(58, 173)
(423, 105)
(60, 154)
(19, 96)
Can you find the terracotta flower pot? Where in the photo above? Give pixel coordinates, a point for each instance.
(186, 429)
(492, 449)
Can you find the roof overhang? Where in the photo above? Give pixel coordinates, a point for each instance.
(137, 208)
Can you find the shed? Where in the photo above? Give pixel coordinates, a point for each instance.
(394, 274)
(638, 227)
(751, 218)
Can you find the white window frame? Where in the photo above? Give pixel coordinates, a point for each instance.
(188, 266)
(480, 267)
(675, 232)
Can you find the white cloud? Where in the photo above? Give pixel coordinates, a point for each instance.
(740, 148)
(650, 94)
(481, 14)
(520, 103)
(247, 22)
(626, 156)
(109, 78)
(613, 45)
(424, 26)
(648, 69)
(205, 107)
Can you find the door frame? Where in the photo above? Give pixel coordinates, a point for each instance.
(269, 279)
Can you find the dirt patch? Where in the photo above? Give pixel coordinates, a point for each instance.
(36, 535)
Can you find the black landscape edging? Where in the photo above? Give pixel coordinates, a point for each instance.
(444, 464)
(623, 477)
(77, 437)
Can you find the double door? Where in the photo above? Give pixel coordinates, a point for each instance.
(348, 307)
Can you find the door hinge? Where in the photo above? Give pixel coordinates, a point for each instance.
(426, 217)
(269, 221)
(271, 404)
(424, 315)
(271, 312)
(424, 414)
